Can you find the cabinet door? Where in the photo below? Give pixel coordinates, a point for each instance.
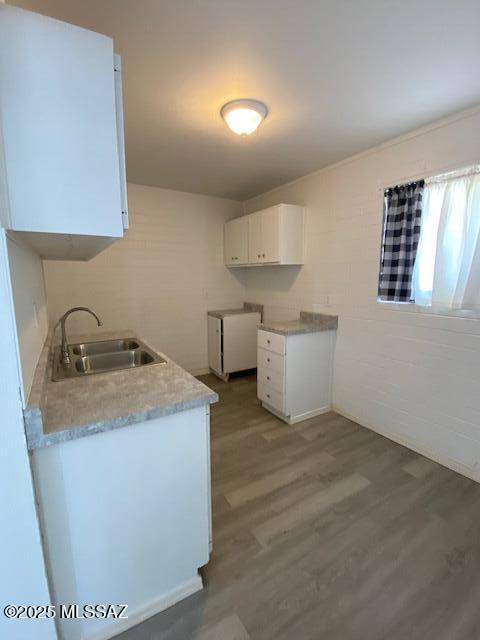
(271, 234)
(121, 138)
(215, 344)
(236, 241)
(240, 342)
(57, 100)
(255, 239)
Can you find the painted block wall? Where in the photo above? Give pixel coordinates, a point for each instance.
(30, 302)
(408, 374)
(160, 280)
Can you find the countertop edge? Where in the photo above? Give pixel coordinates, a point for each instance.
(294, 332)
(248, 307)
(36, 439)
(34, 410)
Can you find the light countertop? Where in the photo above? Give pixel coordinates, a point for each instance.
(78, 407)
(248, 307)
(308, 322)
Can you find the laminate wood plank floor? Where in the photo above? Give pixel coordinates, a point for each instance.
(326, 530)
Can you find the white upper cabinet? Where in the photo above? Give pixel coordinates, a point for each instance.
(276, 245)
(255, 237)
(62, 159)
(275, 236)
(236, 242)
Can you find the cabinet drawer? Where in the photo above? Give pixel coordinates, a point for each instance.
(271, 397)
(271, 341)
(270, 378)
(270, 360)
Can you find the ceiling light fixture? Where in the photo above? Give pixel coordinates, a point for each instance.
(243, 116)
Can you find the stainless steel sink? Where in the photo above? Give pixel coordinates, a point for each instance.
(108, 361)
(103, 356)
(104, 346)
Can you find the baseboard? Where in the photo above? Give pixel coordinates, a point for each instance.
(298, 418)
(418, 446)
(152, 608)
(200, 372)
(225, 377)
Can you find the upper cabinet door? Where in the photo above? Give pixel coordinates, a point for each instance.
(255, 238)
(59, 127)
(271, 235)
(236, 241)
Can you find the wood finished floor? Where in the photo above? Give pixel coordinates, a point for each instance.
(327, 530)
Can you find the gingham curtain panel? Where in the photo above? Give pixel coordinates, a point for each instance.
(401, 233)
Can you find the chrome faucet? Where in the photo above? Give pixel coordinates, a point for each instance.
(65, 356)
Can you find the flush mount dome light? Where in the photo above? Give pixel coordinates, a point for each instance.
(243, 116)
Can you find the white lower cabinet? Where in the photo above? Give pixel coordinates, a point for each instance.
(126, 518)
(295, 373)
(215, 344)
(232, 342)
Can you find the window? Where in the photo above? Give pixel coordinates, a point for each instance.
(431, 242)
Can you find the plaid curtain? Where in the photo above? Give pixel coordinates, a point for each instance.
(401, 232)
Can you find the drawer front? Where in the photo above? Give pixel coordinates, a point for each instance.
(271, 341)
(270, 360)
(271, 378)
(271, 397)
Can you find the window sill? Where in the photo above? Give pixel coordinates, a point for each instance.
(468, 314)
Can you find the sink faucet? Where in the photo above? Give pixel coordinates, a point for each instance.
(65, 356)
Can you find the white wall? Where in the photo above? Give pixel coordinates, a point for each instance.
(161, 279)
(408, 374)
(30, 306)
(22, 570)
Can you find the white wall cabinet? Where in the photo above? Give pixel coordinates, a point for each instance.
(268, 237)
(236, 242)
(255, 237)
(61, 135)
(266, 243)
(232, 342)
(295, 373)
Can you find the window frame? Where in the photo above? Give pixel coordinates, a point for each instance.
(412, 306)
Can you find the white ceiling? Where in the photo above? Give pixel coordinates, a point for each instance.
(338, 76)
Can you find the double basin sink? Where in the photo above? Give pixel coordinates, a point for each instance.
(87, 358)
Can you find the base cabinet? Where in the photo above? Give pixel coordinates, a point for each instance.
(126, 518)
(232, 343)
(295, 373)
(215, 330)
